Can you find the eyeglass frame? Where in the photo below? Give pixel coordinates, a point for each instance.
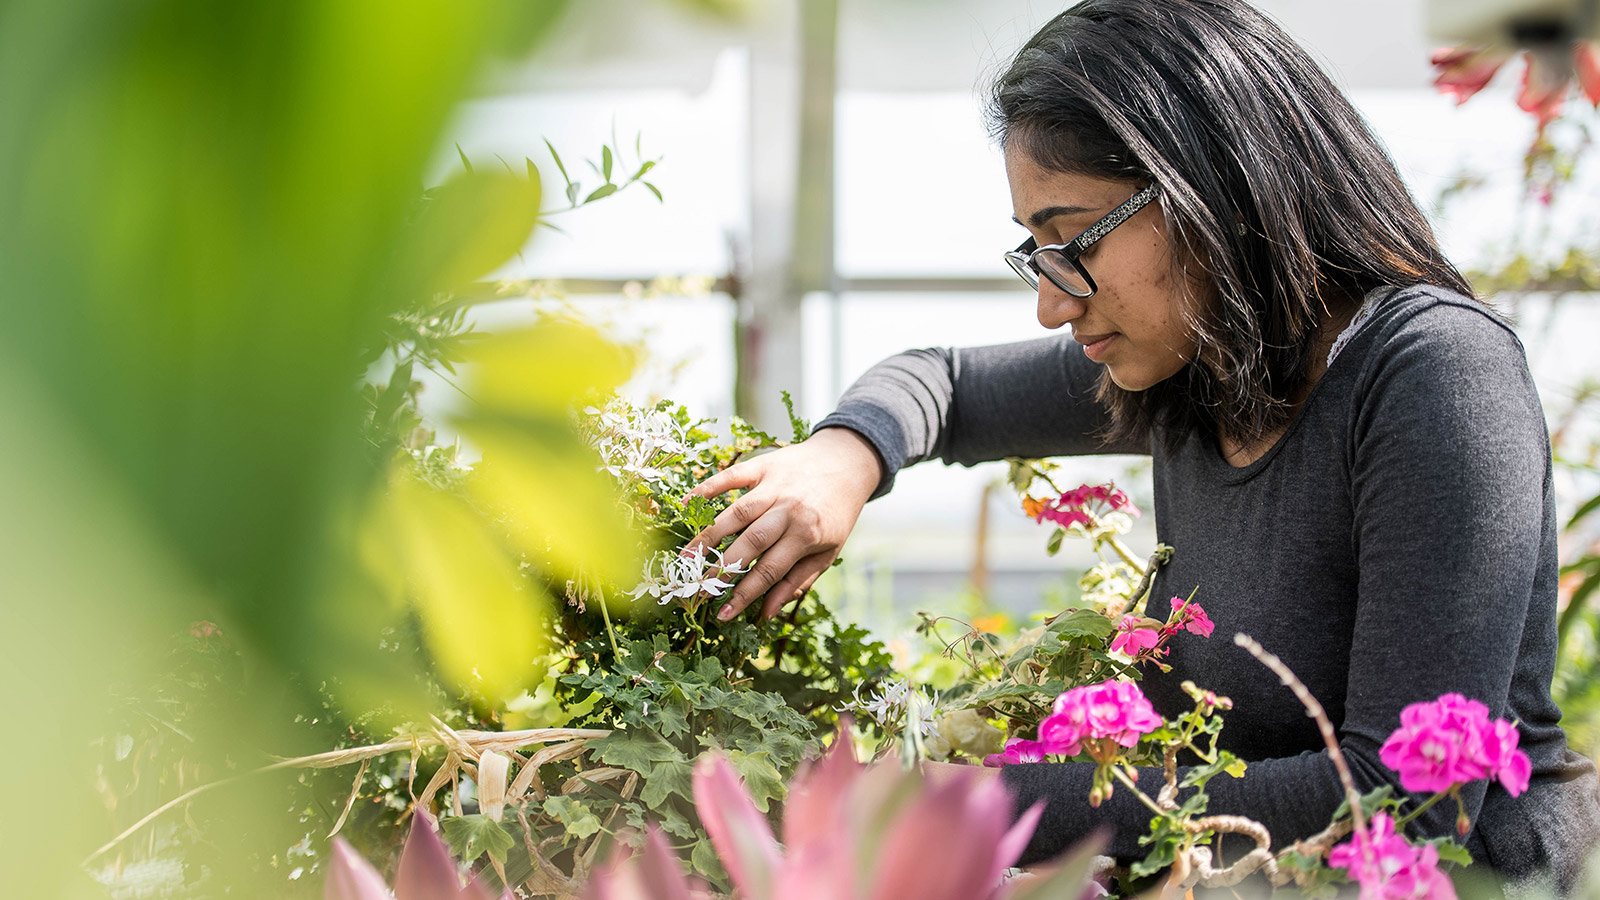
(1021, 260)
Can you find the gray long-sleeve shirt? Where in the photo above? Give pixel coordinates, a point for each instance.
(1398, 542)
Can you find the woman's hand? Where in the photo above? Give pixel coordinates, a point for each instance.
(800, 504)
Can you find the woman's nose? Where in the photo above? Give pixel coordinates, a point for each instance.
(1057, 307)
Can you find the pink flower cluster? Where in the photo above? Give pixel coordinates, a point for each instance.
(1450, 742)
(1464, 71)
(1389, 868)
(1112, 711)
(1141, 638)
(1080, 506)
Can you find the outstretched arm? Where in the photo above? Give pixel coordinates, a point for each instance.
(1034, 398)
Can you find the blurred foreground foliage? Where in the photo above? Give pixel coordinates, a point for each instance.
(209, 214)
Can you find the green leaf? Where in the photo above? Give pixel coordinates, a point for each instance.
(1084, 622)
(580, 822)
(469, 226)
(654, 190)
(1588, 507)
(1450, 851)
(636, 749)
(665, 779)
(572, 193)
(605, 162)
(706, 862)
(1053, 546)
(465, 163)
(642, 170)
(559, 167)
(761, 778)
(533, 170)
(1371, 801)
(800, 427)
(473, 836)
(604, 190)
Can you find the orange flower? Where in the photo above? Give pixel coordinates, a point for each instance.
(1032, 508)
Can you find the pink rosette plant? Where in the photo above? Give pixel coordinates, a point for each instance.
(1388, 867)
(851, 832)
(426, 872)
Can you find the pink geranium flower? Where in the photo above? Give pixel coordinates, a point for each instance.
(1190, 616)
(1018, 750)
(1134, 636)
(1091, 716)
(1083, 505)
(1450, 742)
(1389, 868)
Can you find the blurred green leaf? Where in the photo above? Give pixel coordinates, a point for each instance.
(605, 162)
(469, 226)
(604, 190)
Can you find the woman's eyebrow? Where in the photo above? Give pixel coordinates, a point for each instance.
(1038, 219)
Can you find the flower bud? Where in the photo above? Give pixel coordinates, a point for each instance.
(1463, 824)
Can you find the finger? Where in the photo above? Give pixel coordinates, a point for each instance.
(794, 585)
(742, 475)
(736, 517)
(768, 570)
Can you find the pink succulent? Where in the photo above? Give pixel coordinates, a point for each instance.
(426, 872)
(1114, 711)
(1450, 742)
(1134, 636)
(1018, 750)
(1389, 868)
(951, 840)
(651, 873)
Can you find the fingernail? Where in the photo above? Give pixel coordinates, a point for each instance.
(726, 613)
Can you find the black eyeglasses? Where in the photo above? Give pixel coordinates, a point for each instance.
(1060, 263)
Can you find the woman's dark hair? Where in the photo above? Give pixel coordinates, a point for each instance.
(1271, 183)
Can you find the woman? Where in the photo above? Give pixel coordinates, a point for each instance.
(1349, 454)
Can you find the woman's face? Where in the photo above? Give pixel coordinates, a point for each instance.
(1132, 325)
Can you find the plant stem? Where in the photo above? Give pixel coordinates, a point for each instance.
(605, 614)
(1405, 820)
(1127, 556)
(1143, 798)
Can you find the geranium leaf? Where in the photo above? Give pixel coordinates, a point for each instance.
(473, 836)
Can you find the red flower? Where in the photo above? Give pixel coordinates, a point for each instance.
(1464, 71)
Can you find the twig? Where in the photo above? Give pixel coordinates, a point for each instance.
(1315, 710)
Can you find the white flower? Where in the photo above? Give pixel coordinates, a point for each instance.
(682, 576)
(636, 442)
(897, 700)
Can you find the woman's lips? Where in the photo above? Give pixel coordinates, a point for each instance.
(1094, 345)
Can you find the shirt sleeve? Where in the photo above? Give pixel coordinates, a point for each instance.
(1449, 468)
(969, 405)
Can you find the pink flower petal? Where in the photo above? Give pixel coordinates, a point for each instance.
(811, 812)
(1516, 773)
(427, 871)
(351, 877)
(941, 845)
(1464, 71)
(738, 830)
(1586, 59)
(1542, 92)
